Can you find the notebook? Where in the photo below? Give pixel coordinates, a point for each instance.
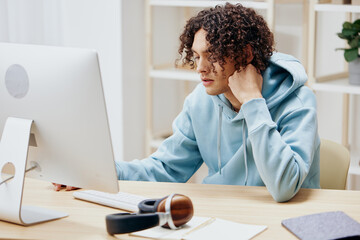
(326, 225)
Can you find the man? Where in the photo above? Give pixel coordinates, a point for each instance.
(251, 120)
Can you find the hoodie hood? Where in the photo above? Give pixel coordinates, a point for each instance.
(283, 76)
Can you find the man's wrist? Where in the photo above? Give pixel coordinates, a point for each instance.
(249, 98)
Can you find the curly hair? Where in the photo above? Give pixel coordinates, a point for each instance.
(230, 29)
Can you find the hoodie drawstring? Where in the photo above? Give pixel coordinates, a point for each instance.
(245, 157)
(219, 144)
(219, 138)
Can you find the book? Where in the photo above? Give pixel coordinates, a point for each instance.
(205, 228)
(326, 225)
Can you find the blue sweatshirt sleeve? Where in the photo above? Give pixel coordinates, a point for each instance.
(176, 160)
(283, 151)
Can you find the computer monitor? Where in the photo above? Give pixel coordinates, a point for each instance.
(60, 90)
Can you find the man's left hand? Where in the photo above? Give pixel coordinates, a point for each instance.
(58, 187)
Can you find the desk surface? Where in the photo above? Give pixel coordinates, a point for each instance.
(250, 205)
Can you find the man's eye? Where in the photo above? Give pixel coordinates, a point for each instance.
(196, 58)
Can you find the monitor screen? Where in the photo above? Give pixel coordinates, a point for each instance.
(60, 89)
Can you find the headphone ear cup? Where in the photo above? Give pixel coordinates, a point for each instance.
(181, 209)
(149, 205)
(130, 222)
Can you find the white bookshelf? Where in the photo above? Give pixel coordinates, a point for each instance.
(335, 83)
(175, 74)
(337, 86)
(345, 8)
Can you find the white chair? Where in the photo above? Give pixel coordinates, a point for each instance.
(334, 165)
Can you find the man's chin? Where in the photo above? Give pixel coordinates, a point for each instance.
(212, 92)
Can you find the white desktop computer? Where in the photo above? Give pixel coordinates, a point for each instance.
(53, 120)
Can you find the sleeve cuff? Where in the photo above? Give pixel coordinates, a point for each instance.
(118, 170)
(256, 114)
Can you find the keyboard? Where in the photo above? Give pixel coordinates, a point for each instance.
(121, 200)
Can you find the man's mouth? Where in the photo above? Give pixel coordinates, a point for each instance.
(207, 82)
(206, 79)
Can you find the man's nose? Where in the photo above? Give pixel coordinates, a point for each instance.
(202, 66)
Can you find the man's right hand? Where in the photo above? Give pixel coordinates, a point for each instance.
(246, 84)
(58, 187)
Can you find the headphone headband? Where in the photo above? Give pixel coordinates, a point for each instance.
(130, 222)
(168, 211)
(153, 212)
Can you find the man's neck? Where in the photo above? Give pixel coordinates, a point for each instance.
(233, 100)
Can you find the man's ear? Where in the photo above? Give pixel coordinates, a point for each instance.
(248, 49)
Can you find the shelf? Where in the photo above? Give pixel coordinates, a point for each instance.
(158, 138)
(337, 8)
(289, 1)
(155, 143)
(339, 86)
(354, 170)
(206, 3)
(175, 74)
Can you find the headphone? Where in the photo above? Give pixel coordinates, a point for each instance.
(170, 212)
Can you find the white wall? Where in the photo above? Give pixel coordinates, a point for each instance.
(87, 24)
(133, 78)
(97, 24)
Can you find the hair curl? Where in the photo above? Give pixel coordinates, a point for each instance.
(230, 29)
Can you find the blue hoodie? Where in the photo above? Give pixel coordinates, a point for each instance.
(279, 132)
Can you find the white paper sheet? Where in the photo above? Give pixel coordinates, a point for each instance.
(165, 233)
(205, 228)
(223, 229)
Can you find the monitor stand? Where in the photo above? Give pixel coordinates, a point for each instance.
(13, 151)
